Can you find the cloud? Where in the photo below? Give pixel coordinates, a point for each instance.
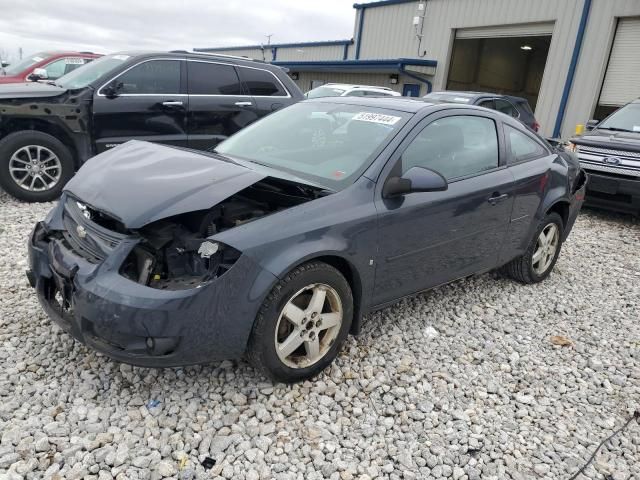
(112, 25)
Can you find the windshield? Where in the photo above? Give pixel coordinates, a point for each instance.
(25, 63)
(325, 92)
(90, 72)
(324, 143)
(627, 119)
(447, 97)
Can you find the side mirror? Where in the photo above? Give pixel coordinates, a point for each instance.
(416, 179)
(5, 64)
(38, 74)
(591, 124)
(111, 90)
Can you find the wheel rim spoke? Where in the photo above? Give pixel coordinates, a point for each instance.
(537, 256)
(293, 313)
(330, 320)
(313, 349)
(291, 344)
(317, 300)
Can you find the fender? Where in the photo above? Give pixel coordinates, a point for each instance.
(66, 116)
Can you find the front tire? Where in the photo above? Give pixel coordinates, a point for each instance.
(302, 323)
(538, 260)
(34, 166)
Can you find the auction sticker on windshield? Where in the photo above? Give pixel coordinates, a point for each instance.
(376, 118)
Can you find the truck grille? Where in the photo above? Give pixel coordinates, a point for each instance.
(86, 238)
(593, 158)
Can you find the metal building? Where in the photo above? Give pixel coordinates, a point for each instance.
(573, 59)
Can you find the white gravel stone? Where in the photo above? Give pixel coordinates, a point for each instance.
(461, 382)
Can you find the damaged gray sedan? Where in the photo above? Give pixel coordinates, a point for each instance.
(274, 245)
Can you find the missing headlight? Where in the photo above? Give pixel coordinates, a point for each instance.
(178, 267)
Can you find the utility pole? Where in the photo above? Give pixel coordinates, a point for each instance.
(269, 39)
(20, 53)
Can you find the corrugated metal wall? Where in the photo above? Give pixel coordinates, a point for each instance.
(389, 32)
(326, 52)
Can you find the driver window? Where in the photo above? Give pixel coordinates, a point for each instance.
(454, 146)
(159, 77)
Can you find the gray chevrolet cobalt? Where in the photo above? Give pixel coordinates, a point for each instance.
(275, 245)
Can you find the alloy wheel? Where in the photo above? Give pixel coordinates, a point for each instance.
(546, 248)
(35, 168)
(308, 325)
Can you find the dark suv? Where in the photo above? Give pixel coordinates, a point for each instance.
(516, 107)
(610, 152)
(48, 130)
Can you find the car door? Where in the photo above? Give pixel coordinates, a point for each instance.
(267, 92)
(219, 105)
(529, 162)
(145, 102)
(429, 238)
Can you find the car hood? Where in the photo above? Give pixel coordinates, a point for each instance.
(29, 90)
(140, 182)
(611, 139)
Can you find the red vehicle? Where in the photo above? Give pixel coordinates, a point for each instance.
(45, 66)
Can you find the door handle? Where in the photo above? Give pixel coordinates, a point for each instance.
(172, 103)
(243, 104)
(495, 198)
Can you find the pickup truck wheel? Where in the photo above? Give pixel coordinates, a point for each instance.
(34, 166)
(302, 323)
(538, 261)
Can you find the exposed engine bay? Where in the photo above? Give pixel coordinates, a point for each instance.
(175, 252)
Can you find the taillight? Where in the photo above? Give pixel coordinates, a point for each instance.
(536, 125)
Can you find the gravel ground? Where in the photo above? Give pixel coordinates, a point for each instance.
(462, 382)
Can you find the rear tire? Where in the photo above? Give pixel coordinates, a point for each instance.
(302, 323)
(538, 260)
(34, 166)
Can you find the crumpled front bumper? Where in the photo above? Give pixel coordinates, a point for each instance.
(137, 324)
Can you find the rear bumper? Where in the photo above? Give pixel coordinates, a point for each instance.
(140, 325)
(613, 192)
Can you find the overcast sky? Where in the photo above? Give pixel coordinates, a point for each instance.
(110, 25)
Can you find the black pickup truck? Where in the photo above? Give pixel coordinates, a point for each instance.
(48, 130)
(610, 152)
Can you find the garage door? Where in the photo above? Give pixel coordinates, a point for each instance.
(518, 30)
(622, 80)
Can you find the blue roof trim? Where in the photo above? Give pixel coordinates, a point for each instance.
(380, 3)
(395, 62)
(325, 43)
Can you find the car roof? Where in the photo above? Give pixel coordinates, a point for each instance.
(352, 85)
(476, 95)
(137, 54)
(401, 104)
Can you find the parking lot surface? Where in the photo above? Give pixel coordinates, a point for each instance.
(462, 382)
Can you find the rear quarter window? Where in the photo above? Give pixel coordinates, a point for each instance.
(261, 83)
(522, 146)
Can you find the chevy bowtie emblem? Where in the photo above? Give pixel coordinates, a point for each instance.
(81, 231)
(611, 160)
